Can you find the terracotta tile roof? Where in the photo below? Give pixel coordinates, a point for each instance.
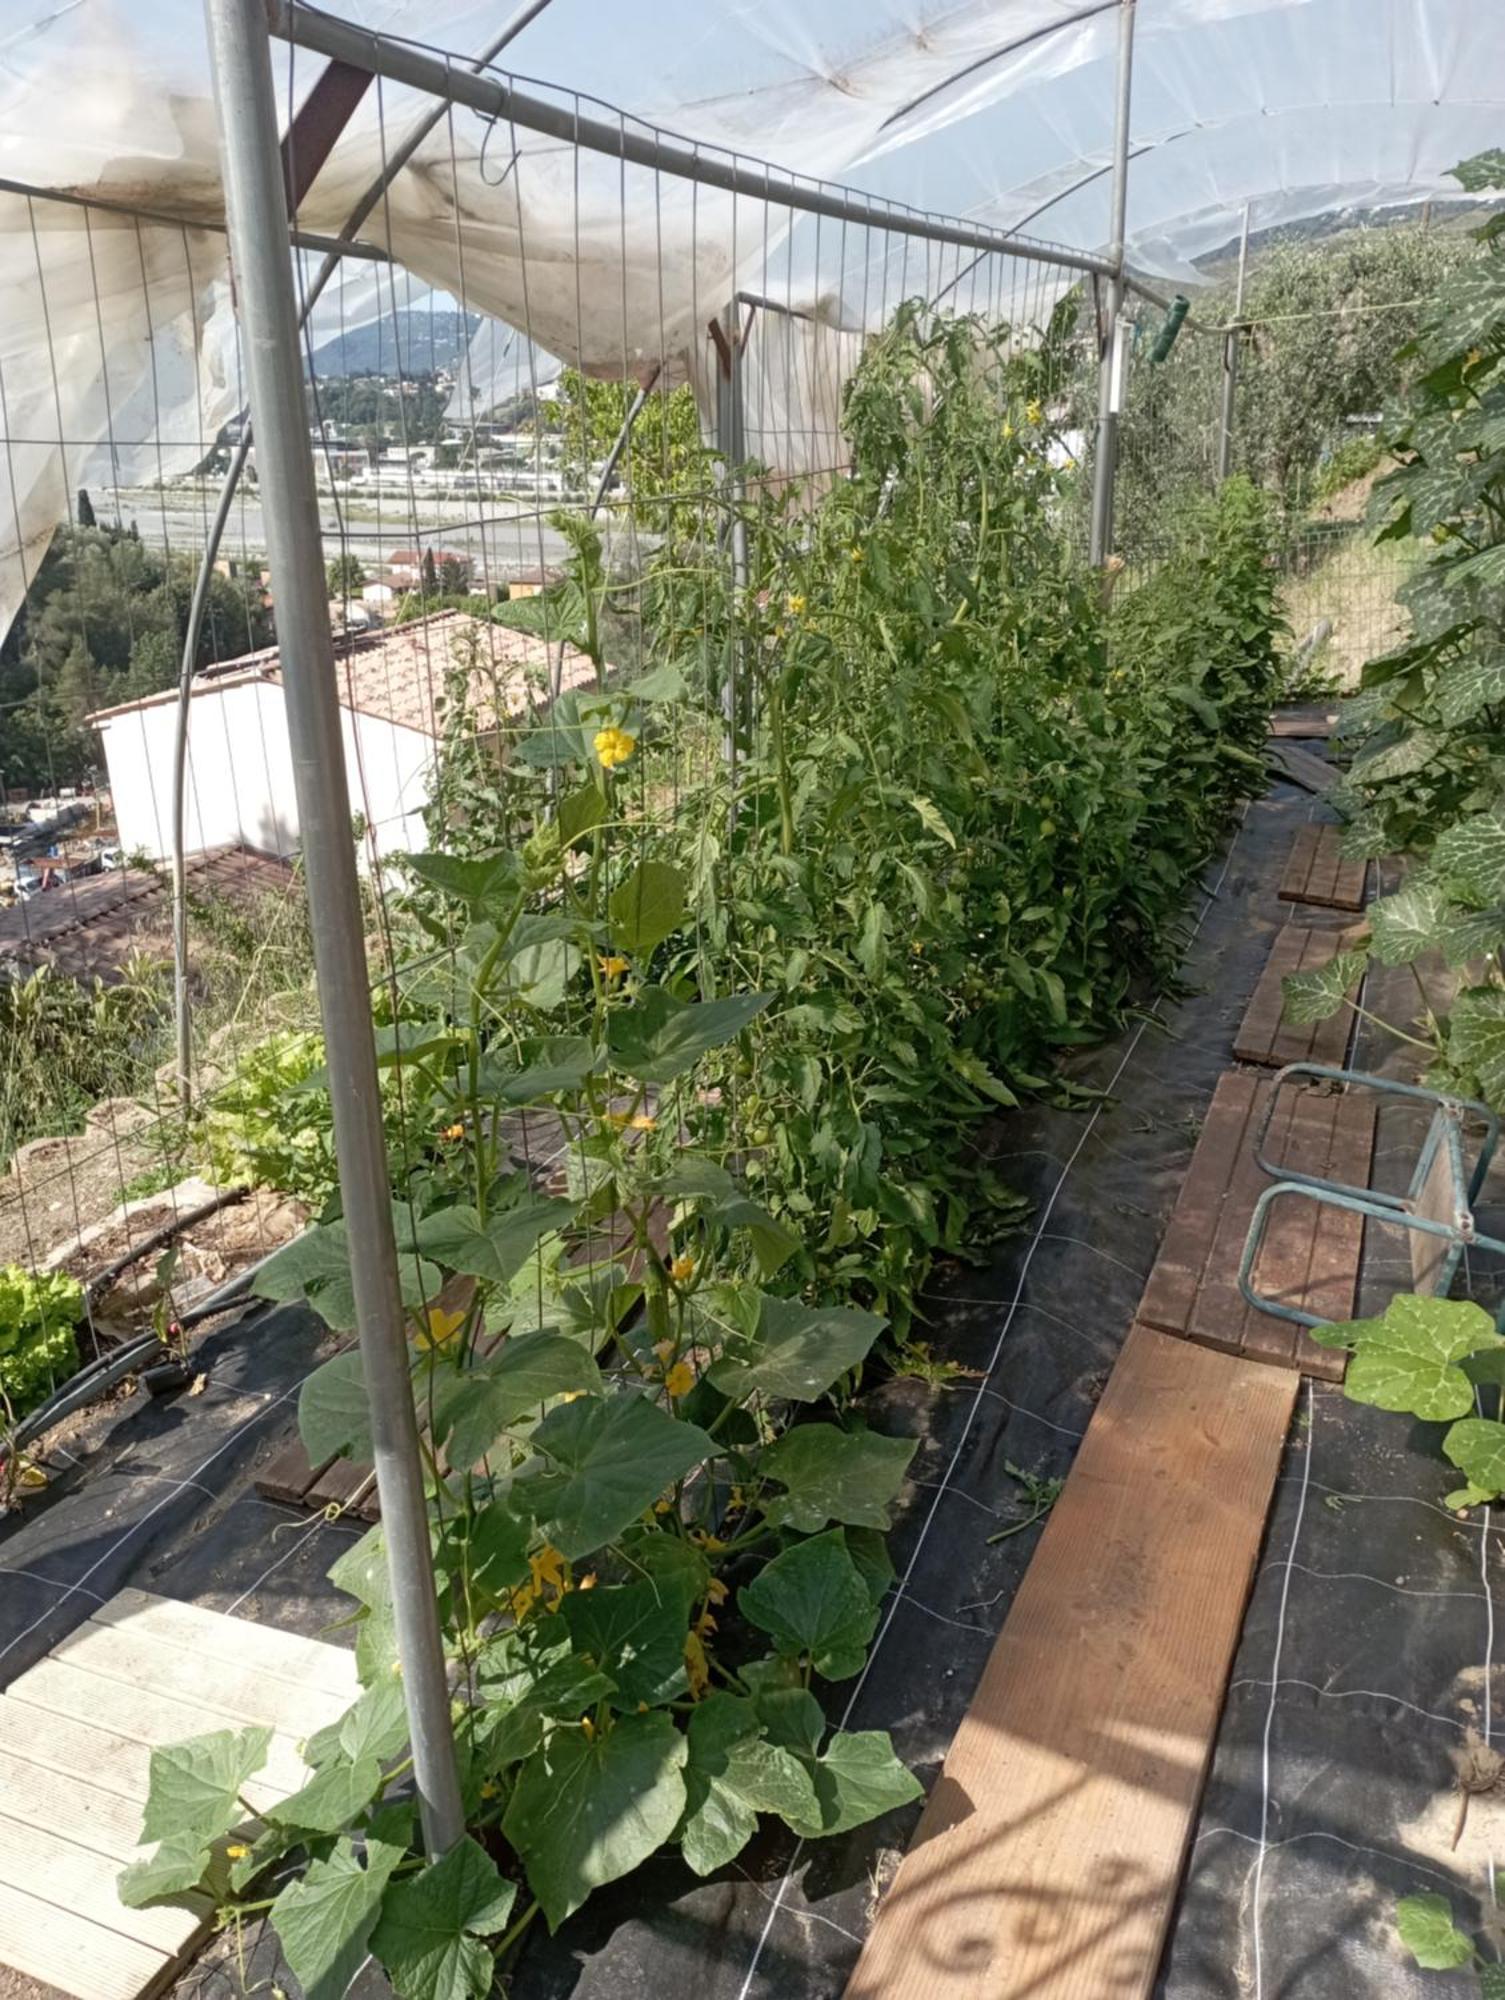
(89, 928)
(399, 673)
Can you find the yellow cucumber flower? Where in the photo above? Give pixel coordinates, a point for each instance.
(680, 1379)
(440, 1327)
(614, 746)
(682, 1269)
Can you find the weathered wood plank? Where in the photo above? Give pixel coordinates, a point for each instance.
(1319, 872)
(1046, 1864)
(44, 1941)
(124, 1655)
(212, 1635)
(1313, 774)
(1304, 719)
(1193, 1287)
(76, 1736)
(1264, 1035)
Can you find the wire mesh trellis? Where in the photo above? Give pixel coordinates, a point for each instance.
(464, 478)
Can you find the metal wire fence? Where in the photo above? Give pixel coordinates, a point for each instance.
(500, 532)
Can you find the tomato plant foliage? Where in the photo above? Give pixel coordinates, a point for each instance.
(761, 1032)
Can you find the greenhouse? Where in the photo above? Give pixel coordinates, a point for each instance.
(752, 1000)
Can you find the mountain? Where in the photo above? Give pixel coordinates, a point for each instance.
(417, 342)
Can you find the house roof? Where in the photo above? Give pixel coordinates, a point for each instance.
(400, 674)
(87, 929)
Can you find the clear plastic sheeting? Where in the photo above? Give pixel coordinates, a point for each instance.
(997, 111)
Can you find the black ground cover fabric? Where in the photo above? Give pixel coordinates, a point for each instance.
(1366, 1667)
(1040, 1319)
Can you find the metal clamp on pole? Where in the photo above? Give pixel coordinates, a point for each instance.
(1231, 339)
(1111, 371)
(257, 208)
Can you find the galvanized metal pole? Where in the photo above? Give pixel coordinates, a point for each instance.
(1110, 374)
(257, 209)
(731, 443)
(335, 250)
(1231, 341)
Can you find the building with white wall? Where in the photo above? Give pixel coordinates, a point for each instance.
(393, 687)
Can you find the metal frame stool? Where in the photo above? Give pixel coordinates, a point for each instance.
(1437, 1209)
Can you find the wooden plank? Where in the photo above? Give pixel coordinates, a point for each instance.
(1170, 1293)
(213, 1635)
(1264, 1035)
(1046, 1864)
(76, 1735)
(1319, 872)
(1307, 718)
(66, 1951)
(33, 1857)
(73, 1807)
(1193, 1287)
(1313, 774)
(1298, 868)
(146, 1715)
(120, 1764)
(125, 1655)
(287, 1478)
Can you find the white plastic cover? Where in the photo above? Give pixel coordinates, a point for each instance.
(117, 345)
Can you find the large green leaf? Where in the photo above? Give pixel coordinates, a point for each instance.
(1473, 853)
(797, 1352)
(486, 883)
(733, 1773)
(658, 1038)
(331, 1798)
(1476, 1445)
(316, 1266)
(486, 1554)
(610, 1458)
(194, 1787)
(635, 1633)
(334, 1416)
(497, 1248)
(376, 1725)
(1406, 924)
(772, 1244)
(526, 1372)
(588, 1809)
(324, 1916)
(1471, 685)
(429, 1936)
(1469, 935)
(528, 1677)
(1427, 1930)
(551, 1064)
(178, 1866)
(857, 1778)
(835, 1475)
(1408, 1361)
(1312, 996)
(811, 1600)
(648, 907)
(1476, 1040)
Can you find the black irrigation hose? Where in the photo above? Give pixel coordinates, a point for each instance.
(84, 1387)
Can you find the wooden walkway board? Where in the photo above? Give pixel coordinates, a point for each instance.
(1264, 1035)
(1319, 872)
(1311, 1253)
(1304, 719)
(76, 1735)
(1046, 1863)
(1289, 760)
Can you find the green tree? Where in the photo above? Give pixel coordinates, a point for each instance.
(346, 575)
(84, 509)
(430, 574)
